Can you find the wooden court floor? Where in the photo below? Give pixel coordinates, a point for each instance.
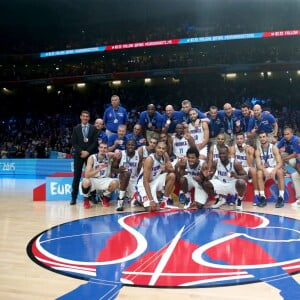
(20, 278)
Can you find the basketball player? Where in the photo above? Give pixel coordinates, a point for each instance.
(145, 151)
(244, 154)
(157, 174)
(230, 179)
(214, 149)
(189, 173)
(97, 175)
(269, 165)
(128, 166)
(200, 133)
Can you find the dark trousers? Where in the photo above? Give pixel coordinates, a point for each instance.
(78, 165)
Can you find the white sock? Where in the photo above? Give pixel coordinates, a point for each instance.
(165, 198)
(187, 195)
(256, 192)
(262, 194)
(281, 194)
(122, 194)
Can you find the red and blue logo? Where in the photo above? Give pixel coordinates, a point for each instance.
(203, 248)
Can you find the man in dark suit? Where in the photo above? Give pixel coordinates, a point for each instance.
(84, 141)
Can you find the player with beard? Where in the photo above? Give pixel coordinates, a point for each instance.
(145, 151)
(269, 165)
(128, 166)
(245, 155)
(157, 175)
(97, 175)
(230, 179)
(214, 150)
(188, 170)
(262, 122)
(200, 133)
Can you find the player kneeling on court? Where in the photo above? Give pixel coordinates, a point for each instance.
(97, 175)
(157, 175)
(188, 170)
(127, 166)
(230, 179)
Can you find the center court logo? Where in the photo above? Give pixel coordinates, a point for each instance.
(204, 248)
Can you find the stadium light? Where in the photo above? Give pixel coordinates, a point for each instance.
(80, 85)
(269, 74)
(148, 80)
(298, 72)
(116, 82)
(231, 75)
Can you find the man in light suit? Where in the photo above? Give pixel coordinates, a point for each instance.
(84, 141)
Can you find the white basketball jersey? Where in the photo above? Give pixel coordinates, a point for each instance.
(197, 133)
(105, 172)
(222, 171)
(241, 156)
(156, 168)
(267, 157)
(193, 171)
(216, 152)
(145, 151)
(130, 163)
(180, 146)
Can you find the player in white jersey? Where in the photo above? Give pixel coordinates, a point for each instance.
(230, 179)
(157, 174)
(200, 133)
(97, 175)
(128, 166)
(188, 171)
(145, 151)
(245, 155)
(214, 149)
(269, 164)
(181, 142)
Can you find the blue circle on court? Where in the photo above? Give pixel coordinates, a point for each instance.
(174, 248)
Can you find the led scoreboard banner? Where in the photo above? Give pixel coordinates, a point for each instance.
(206, 39)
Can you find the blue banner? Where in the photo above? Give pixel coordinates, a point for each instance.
(35, 167)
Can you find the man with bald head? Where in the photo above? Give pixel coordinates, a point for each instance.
(170, 120)
(151, 122)
(102, 137)
(262, 122)
(232, 121)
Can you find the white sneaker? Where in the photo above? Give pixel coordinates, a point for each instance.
(219, 203)
(296, 203)
(238, 205)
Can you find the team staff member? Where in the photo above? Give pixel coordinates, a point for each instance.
(289, 147)
(262, 122)
(152, 122)
(84, 141)
(114, 116)
(170, 120)
(215, 125)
